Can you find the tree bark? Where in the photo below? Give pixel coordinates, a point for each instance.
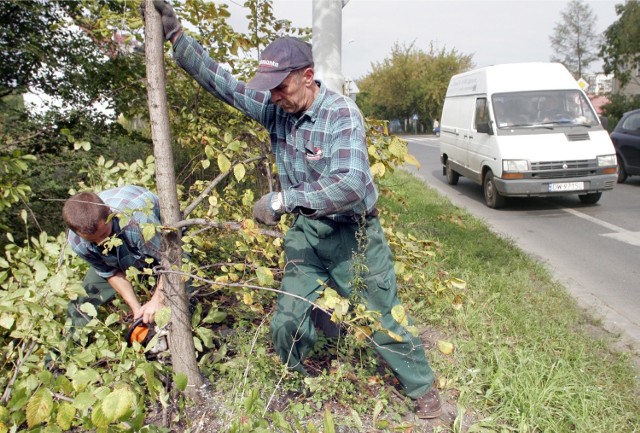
(180, 336)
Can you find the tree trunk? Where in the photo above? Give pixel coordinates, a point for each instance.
(180, 336)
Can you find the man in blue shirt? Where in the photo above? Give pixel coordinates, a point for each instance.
(318, 138)
(119, 215)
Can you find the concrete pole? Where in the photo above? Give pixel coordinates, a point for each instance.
(327, 43)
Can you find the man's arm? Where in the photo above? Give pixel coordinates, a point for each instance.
(124, 288)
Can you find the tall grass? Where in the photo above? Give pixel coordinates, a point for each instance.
(526, 359)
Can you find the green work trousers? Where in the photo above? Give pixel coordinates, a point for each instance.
(321, 250)
(99, 292)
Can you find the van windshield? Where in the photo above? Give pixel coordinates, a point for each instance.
(542, 109)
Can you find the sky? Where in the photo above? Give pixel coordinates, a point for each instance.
(493, 31)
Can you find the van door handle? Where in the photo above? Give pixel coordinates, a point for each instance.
(470, 137)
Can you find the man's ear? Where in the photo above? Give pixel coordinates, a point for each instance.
(307, 76)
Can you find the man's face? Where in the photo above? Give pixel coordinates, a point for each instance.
(102, 233)
(293, 95)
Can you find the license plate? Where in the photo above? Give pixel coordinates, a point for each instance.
(566, 186)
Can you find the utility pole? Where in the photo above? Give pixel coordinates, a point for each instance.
(327, 42)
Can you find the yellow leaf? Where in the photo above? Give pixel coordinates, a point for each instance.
(458, 283)
(247, 298)
(410, 159)
(378, 169)
(398, 147)
(39, 407)
(395, 336)
(223, 163)
(445, 347)
(399, 315)
(239, 171)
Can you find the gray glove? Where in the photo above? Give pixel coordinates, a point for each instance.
(170, 23)
(263, 211)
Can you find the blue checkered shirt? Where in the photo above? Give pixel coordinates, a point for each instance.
(321, 154)
(136, 206)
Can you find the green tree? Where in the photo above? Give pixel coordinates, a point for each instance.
(574, 38)
(410, 81)
(621, 47)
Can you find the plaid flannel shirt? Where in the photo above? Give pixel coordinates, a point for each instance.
(138, 206)
(321, 154)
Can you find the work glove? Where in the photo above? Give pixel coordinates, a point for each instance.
(170, 23)
(263, 211)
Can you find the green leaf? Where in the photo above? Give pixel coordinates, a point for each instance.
(329, 424)
(66, 413)
(98, 417)
(117, 404)
(84, 400)
(7, 320)
(163, 316)
(265, 276)
(215, 316)
(223, 163)
(39, 407)
(41, 271)
(84, 377)
(89, 309)
(181, 380)
(148, 231)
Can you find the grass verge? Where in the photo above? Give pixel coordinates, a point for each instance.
(525, 358)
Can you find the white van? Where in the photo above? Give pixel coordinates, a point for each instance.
(525, 129)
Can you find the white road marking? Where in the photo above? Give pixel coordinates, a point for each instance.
(620, 234)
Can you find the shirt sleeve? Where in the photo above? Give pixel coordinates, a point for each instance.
(218, 81)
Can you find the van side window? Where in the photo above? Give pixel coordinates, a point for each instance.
(482, 112)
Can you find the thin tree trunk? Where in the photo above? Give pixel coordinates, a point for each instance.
(180, 336)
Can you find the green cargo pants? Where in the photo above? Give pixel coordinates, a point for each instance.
(99, 292)
(322, 250)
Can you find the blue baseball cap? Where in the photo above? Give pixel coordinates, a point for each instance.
(278, 59)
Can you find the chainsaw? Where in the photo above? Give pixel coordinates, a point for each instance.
(147, 334)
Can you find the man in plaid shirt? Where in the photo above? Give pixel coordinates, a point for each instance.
(318, 138)
(87, 215)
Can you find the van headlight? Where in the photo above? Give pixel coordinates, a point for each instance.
(606, 160)
(515, 165)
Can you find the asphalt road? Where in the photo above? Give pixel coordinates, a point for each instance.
(593, 249)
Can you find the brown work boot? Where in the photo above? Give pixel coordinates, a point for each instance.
(428, 406)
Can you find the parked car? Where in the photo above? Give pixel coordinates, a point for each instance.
(626, 140)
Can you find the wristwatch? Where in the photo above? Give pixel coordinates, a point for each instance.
(277, 204)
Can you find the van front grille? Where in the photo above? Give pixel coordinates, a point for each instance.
(563, 169)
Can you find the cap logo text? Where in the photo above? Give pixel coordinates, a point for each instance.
(269, 63)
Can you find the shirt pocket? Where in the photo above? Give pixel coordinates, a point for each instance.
(316, 161)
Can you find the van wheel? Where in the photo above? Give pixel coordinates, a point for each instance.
(622, 173)
(590, 198)
(491, 195)
(452, 175)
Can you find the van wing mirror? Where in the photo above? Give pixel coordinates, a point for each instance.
(484, 127)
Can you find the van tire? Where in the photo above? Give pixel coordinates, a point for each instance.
(590, 198)
(491, 195)
(452, 175)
